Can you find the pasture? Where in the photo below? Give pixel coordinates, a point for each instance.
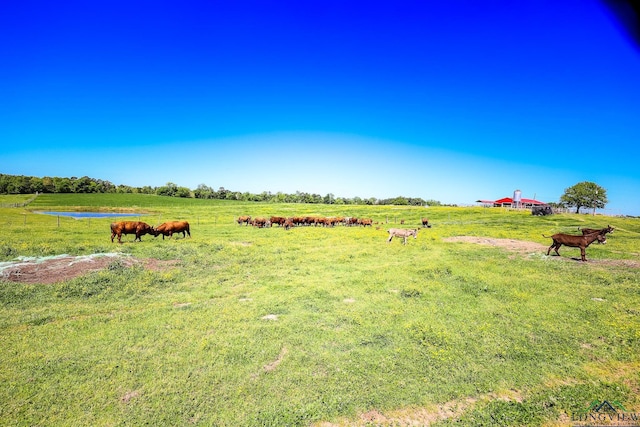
(469, 324)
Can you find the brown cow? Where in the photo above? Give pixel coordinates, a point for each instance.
(366, 221)
(277, 220)
(425, 223)
(138, 228)
(261, 223)
(244, 218)
(168, 228)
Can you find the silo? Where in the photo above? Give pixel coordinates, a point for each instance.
(517, 199)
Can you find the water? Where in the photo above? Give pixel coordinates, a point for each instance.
(79, 215)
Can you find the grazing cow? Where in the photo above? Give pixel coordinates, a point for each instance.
(586, 231)
(541, 210)
(277, 220)
(350, 221)
(138, 228)
(288, 223)
(366, 221)
(168, 228)
(261, 223)
(401, 232)
(425, 223)
(244, 218)
(572, 241)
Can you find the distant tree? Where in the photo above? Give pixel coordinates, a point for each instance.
(147, 190)
(584, 195)
(167, 190)
(203, 192)
(62, 185)
(400, 201)
(126, 189)
(48, 184)
(84, 185)
(328, 199)
(183, 192)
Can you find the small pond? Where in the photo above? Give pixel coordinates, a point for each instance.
(79, 215)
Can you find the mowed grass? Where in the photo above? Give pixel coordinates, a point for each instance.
(259, 327)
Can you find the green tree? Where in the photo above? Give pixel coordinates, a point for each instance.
(203, 192)
(168, 190)
(585, 195)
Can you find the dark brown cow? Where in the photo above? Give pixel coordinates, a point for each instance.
(138, 228)
(168, 228)
(425, 223)
(572, 241)
(244, 218)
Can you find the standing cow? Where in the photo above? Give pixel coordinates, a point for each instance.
(138, 228)
(168, 228)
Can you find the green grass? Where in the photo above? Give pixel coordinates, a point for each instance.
(267, 327)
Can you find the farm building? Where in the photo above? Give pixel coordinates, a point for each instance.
(509, 202)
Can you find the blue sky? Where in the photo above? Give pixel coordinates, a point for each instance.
(448, 100)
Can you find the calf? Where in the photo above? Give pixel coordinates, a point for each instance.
(603, 231)
(138, 228)
(401, 232)
(572, 241)
(425, 223)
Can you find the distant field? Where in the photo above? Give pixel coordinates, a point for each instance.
(469, 324)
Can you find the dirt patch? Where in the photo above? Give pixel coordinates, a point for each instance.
(59, 268)
(271, 366)
(407, 417)
(424, 416)
(513, 245)
(524, 247)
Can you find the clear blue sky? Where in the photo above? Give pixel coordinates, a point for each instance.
(453, 100)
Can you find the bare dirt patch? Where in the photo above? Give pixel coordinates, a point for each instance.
(524, 247)
(65, 267)
(513, 245)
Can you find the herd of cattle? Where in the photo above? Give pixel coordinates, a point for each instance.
(297, 221)
(139, 228)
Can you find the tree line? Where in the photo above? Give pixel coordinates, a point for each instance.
(20, 184)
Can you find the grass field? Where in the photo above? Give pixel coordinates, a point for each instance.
(316, 326)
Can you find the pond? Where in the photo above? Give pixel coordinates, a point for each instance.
(79, 215)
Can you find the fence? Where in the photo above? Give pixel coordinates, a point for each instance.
(19, 205)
